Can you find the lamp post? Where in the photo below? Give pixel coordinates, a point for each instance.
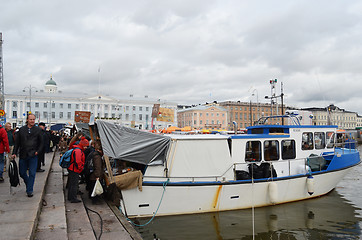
(257, 101)
(30, 88)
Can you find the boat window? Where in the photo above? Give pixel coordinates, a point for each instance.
(253, 151)
(330, 139)
(319, 140)
(288, 149)
(276, 130)
(307, 141)
(257, 131)
(271, 150)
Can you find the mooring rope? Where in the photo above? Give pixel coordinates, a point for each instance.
(154, 214)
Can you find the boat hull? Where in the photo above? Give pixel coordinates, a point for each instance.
(190, 198)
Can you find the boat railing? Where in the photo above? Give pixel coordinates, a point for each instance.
(294, 119)
(294, 167)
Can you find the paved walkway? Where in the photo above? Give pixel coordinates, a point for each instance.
(19, 213)
(47, 216)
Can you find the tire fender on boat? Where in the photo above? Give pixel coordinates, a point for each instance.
(273, 192)
(310, 184)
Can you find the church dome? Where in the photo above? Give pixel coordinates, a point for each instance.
(51, 82)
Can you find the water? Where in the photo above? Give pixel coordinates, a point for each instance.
(338, 215)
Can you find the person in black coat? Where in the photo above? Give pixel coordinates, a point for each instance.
(29, 143)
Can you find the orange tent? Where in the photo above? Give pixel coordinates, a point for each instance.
(186, 129)
(172, 129)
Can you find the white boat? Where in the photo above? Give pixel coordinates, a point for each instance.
(186, 174)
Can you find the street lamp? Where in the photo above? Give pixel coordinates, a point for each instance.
(30, 88)
(257, 101)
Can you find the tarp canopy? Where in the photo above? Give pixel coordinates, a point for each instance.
(132, 145)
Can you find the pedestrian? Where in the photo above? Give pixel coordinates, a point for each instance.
(41, 154)
(63, 146)
(29, 143)
(4, 147)
(96, 170)
(11, 139)
(75, 168)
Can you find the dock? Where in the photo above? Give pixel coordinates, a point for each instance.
(47, 215)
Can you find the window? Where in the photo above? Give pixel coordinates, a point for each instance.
(140, 109)
(330, 139)
(147, 108)
(134, 108)
(106, 107)
(60, 115)
(53, 105)
(37, 114)
(15, 104)
(15, 114)
(113, 115)
(127, 108)
(106, 115)
(253, 151)
(288, 149)
(76, 106)
(271, 150)
(120, 116)
(36, 104)
(61, 105)
(45, 115)
(140, 117)
(28, 104)
(69, 115)
(319, 140)
(307, 141)
(69, 106)
(127, 117)
(53, 114)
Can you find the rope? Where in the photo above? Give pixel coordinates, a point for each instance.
(154, 214)
(88, 209)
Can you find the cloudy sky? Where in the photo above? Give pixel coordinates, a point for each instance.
(188, 51)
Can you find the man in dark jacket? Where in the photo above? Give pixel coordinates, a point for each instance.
(29, 142)
(41, 154)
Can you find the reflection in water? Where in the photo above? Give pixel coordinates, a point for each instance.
(328, 217)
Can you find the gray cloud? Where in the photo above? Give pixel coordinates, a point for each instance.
(187, 51)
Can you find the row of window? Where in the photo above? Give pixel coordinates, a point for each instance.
(84, 105)
(271, 149)
(69, 114)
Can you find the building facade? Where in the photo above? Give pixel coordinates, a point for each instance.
(245, 114)
(52, 106)
(333, 115)
(209, 116)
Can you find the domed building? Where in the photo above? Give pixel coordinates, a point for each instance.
(51, 85)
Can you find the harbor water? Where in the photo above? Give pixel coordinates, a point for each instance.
(337, 215)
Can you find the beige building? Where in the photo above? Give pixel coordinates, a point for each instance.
(246, 114)
(203, 117)
(333, 115)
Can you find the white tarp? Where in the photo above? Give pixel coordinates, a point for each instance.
(132, 145)
(200, 158)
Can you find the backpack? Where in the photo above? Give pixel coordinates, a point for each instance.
(13, 174)
(66, 159)
(88, 166)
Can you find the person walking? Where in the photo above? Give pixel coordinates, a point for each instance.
(75, 168)
(41, 154)
(11, 139)
(29, 143)
(4, 147)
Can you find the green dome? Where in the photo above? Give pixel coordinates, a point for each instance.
(51, 82)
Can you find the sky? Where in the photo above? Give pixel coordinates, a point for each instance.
(187, 51)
